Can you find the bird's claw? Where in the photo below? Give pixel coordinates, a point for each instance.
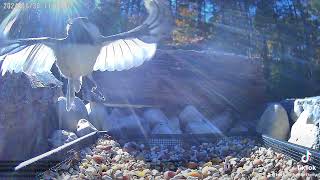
(97, 94)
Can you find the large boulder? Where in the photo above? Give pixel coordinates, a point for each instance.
(97, 114)
(174, 124)
(223, 121)
(61, 137)
(297, 110)
(238, 83)
(84, 127)
(312, 104)
(111, 122)
(154, 117)
(304, 132)
(287, 104)
(193, 122)
(162, 128)
(27, 116)
(274, 122)
(159, 123)
(68, 120)
(133, 125)
(190, 114)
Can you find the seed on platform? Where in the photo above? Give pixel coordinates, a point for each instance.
(98, 159)
(195, 174)
(168, 175)
(105, 148)
(192, 165)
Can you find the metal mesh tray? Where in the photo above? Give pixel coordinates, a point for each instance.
(171, 140)
(293, 151)
(167, 140)
(38, 165)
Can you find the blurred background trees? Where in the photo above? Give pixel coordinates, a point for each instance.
(283, 34)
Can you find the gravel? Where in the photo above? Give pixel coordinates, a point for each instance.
(229, 158)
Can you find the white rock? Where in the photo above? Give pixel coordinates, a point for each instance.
(154, 117)
(97, 114)
(223, 121)
(193, 122)
(61, 137)
(303, 131)
(160, 123)
(315, 117)
(310, 103)
(189, 115)
(154, 172)
(296, 111)
(274, 122)
(174, 124)
(133, 125)
(208, 170)
(201, 128)
(85, 127)
(91, 171)
(162, 128)
(111, 121)
(118, 174)
(247, 169)
(69, 120)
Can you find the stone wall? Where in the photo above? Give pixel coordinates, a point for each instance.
(26, 114)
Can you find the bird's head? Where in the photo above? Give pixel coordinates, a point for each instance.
(81, 30)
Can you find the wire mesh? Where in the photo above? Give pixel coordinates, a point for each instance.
(288, 149)
(292, 150)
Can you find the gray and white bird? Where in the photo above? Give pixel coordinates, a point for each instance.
(85, 50)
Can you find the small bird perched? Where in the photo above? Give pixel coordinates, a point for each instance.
(84, 49)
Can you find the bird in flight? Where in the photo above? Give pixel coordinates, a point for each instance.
(84, 49)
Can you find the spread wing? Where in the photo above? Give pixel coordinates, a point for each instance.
(26, 55)
(132, 48)
(32, 55)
